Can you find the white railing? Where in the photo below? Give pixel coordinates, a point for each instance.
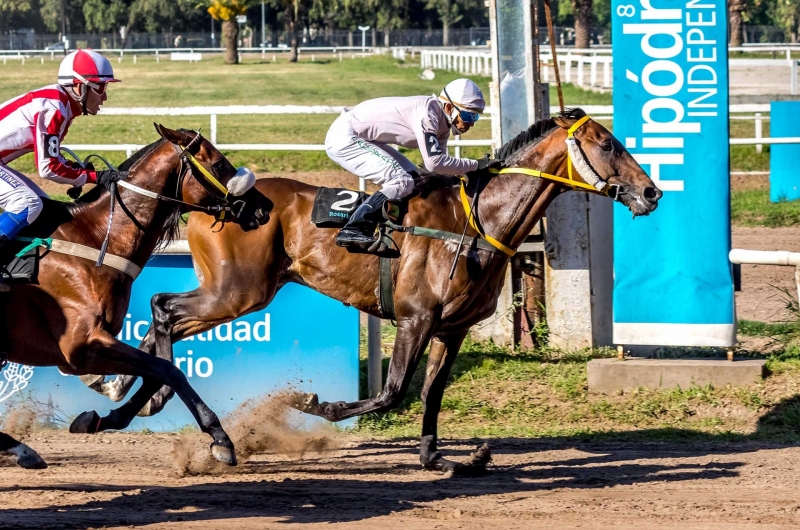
(602, 112)
(762, 257)
(581, 62)
(464, 62)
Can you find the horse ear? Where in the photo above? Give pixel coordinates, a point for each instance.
(170, 135)
(566, 121)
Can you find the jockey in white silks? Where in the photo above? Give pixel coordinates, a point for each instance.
(359, 142)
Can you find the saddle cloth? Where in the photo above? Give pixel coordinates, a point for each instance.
(333, 206)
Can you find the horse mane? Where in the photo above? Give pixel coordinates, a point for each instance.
(535, 133)
(172, 224)
(429, 182)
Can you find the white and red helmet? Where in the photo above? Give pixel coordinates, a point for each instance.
(87, 67)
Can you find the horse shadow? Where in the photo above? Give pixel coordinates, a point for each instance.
(339, 489)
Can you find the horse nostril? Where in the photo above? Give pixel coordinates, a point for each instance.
(652, 194)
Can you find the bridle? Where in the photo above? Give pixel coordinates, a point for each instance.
(190, 165)
(575, 155)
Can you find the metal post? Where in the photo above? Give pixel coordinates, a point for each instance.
(374, 357)
(263, 26)
(759, 131)
(374, 353)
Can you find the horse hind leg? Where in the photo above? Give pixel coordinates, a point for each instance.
(118, 386)
(26, 457)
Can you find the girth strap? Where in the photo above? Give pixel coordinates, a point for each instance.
(82, 251)
(386, 289)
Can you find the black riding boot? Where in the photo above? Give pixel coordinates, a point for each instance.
(358, 235)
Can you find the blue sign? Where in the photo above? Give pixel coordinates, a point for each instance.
(673, 282)
(303, 341)
(784, 182)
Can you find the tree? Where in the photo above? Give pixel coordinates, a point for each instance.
(735, 10)
(582, 9)
(226, 11)
(389, 15)
(102, 16)
(450, 12)
(786, 14)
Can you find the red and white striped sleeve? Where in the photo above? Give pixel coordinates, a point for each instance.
(51, 126)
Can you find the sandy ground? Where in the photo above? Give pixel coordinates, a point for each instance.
(126, 480)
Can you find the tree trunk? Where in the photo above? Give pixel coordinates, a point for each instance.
(735, 10)
(291, 36)
(583, 22)
(230, 36)
(445, 32)
(387, 40)
(374, 42)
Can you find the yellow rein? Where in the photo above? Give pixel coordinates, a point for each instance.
(471, 216)
(203, 171)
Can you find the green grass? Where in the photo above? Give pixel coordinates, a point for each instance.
(211, 83)
(544, 393)
(752, 207)
(752, 328)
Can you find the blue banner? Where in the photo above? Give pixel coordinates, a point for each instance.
(784, 182)
(673, 282)
(303, 340)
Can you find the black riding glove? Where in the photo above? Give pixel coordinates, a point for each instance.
(108, 176)
(74, 192)
(489, 163)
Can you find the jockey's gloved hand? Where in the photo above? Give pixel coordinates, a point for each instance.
(74, 192)
(489, 163)
(108, 176)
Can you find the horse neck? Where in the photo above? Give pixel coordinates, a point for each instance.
(153, 173)
(510, 205)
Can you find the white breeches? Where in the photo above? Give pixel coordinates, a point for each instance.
(373, 161)
(17, 192)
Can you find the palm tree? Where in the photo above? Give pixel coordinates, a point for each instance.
(226, 11)
(583, 22)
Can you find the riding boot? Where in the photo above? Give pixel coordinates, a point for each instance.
(11, 224)
(358, 235)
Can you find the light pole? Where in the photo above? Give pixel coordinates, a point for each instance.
(364, 37)
(263, 26)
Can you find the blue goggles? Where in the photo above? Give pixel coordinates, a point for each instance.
(467, 116)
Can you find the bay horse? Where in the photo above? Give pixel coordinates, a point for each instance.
(71, 317)
(241, 272)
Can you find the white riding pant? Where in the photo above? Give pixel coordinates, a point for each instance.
(373, 161)
(18, 192)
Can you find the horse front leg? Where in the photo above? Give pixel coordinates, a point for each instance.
(26, 457)
(105, 354)
(444, 350)
(413, 334)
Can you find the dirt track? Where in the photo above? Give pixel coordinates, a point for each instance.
(126, 479)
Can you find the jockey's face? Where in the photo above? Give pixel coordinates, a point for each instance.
(95, 98)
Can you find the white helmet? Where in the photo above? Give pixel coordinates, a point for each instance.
(464, 94)
(85, 67)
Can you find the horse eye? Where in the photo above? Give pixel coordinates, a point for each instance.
(607, 146)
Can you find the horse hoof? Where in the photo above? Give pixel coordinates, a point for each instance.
(223, 454)
(307, 403)
(30, 459)
(146, 410)
(86, 423)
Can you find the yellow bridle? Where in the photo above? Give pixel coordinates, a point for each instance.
(471, 217)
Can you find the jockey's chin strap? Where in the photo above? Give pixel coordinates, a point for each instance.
(593, 184)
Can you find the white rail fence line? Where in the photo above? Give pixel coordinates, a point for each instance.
(762, 257)
(601, 112)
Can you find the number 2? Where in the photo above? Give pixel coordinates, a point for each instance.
(345, 205)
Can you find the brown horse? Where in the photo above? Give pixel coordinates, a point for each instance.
(241, 272)
(71, 317)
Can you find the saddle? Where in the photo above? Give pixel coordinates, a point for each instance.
(25, 268)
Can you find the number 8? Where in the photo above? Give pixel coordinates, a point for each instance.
(626, 10)
(52, 146)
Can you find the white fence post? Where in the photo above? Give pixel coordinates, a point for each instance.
(794, 76)
(213, 128)
(593, 72)
(568, 68)
(607, 72)
(458, 147)
(759, 130)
